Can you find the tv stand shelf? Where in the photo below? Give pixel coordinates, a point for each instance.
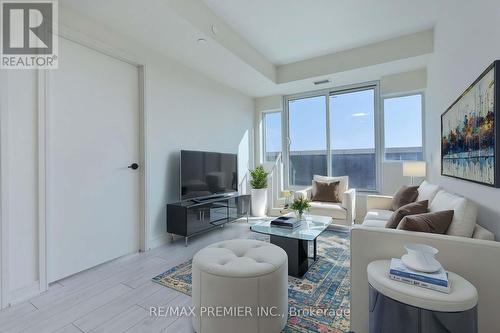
(189, 218)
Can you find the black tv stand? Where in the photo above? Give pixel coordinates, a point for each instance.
(214, 197)
(194, 216)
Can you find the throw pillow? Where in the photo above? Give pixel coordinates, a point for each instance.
(325, 192)
(413, 208)
(404, 196)
(436, 223)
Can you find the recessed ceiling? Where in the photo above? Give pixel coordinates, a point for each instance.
(254, 36)
(286, 31)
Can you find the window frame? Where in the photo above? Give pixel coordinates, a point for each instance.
(382, 123)
(375, 85)
(264, 137)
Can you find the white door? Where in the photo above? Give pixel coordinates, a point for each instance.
(93, 202)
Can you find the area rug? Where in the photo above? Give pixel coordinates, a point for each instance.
(320, 300)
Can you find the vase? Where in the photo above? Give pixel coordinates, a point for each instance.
(299, 215)
(259, 202)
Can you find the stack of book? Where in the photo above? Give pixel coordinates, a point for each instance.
(436, 281)
(286, 222)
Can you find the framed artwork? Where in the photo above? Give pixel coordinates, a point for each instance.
(470, 132)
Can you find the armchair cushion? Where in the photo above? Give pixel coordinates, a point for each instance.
(344, 181)
(335, 210)
(325, 192)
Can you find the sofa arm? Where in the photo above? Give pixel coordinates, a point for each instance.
(457, 254)
(349, 203)
(305, 193)
(378, 202)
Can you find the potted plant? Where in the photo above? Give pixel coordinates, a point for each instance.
(300, 205)
(258, 182)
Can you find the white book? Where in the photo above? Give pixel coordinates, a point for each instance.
(398, 268)
(421, 284)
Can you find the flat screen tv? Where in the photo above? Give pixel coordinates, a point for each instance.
(208, 174)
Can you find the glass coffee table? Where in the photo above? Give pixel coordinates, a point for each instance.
(295, 242)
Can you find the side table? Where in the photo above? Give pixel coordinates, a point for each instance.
(399, 307)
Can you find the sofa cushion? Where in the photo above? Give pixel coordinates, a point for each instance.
(436, 223)
(482, 233)
(413, 208)
(379, 214)
(335, 210)
(464, 218)
(325, 192)
(344, 181)
(427, 191)
(374, 223)
(404, 196)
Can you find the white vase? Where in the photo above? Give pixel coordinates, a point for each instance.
(259, 202)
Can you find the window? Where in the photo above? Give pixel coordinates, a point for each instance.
(403, 128)
(272, 135)
(352, 137)
(307, 134)
(332, 133)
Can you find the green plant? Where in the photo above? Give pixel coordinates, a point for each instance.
(258, 178)
(300, 205)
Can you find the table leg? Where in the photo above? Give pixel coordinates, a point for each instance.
(315, 247)
(297, 251)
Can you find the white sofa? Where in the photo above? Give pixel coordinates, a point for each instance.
(474, 256)
(464, 219)
(343, 213)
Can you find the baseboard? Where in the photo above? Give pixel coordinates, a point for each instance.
(24, 294)
(159, 240)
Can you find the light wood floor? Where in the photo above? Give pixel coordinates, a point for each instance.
(115, 296)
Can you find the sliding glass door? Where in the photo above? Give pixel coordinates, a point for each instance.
(352, 137)
(332, 133)
(307, 139)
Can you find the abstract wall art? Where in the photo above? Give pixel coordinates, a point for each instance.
(470, 132)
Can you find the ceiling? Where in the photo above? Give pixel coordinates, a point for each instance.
(286, 31)
(254, 39)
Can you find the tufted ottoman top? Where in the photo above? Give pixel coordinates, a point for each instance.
(240, 258)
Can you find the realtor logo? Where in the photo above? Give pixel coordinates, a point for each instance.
(29, 34)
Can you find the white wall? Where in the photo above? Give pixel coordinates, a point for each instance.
(403, 82)
(21, 183)
(466, 42)
(185, 110)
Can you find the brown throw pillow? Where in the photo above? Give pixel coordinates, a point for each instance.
(326, 192)
(436, 223)
(404, 196)
(413, 208)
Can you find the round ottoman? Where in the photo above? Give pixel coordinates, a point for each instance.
(240, 285)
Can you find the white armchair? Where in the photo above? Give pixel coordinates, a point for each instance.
(341, 213)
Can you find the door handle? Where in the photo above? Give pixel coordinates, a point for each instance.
(133, 166)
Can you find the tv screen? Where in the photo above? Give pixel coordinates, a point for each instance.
(206, 174)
